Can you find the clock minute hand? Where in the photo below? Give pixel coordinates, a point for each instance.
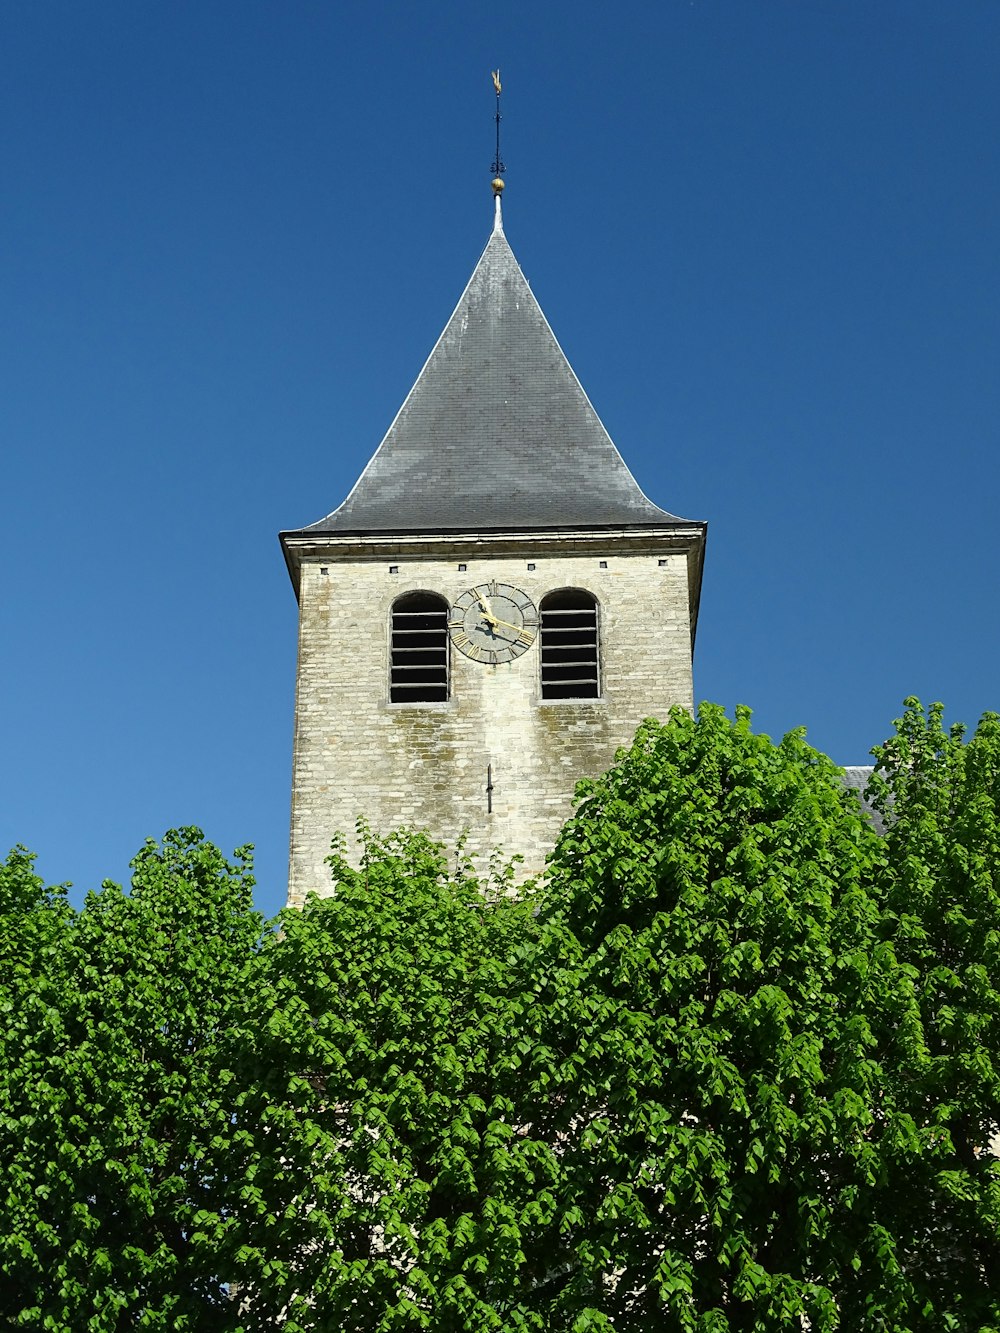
(507, 625)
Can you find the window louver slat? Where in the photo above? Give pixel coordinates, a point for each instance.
(569, 645)
(419, 650)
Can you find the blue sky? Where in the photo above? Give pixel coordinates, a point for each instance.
(765, 233)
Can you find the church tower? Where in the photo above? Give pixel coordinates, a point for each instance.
(492, 610)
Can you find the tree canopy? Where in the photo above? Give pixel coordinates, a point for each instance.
(733, 1065)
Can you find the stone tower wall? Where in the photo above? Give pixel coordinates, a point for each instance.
(425, 765)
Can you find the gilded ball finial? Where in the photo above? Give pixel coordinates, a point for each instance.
(497, 184)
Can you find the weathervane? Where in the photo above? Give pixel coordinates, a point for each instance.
(498, 166)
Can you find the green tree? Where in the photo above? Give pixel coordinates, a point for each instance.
(117, 1091)
(940, 884)
(701, 1058)
(389, 1198)
(736, 1066)
(36, 1189)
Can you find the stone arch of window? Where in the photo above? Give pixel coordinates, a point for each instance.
(418, 650)
(570, 645)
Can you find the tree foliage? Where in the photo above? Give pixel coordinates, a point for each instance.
(940, 890)
(115, 1108)
(375, 1079)
(706, 985)
(735, 1065)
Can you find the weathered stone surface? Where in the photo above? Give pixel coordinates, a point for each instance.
(426, 764)
(498, 463)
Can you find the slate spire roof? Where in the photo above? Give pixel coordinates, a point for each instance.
(497, 432)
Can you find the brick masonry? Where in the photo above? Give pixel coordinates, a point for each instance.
(425, 765)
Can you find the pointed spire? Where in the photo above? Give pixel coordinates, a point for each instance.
(497, 432)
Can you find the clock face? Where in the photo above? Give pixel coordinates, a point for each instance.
(493, 623)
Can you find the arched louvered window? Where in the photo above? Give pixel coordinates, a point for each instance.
(419, 649)
(569, 635)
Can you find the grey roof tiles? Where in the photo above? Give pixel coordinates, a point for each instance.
(856, 778)
(497, 432)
